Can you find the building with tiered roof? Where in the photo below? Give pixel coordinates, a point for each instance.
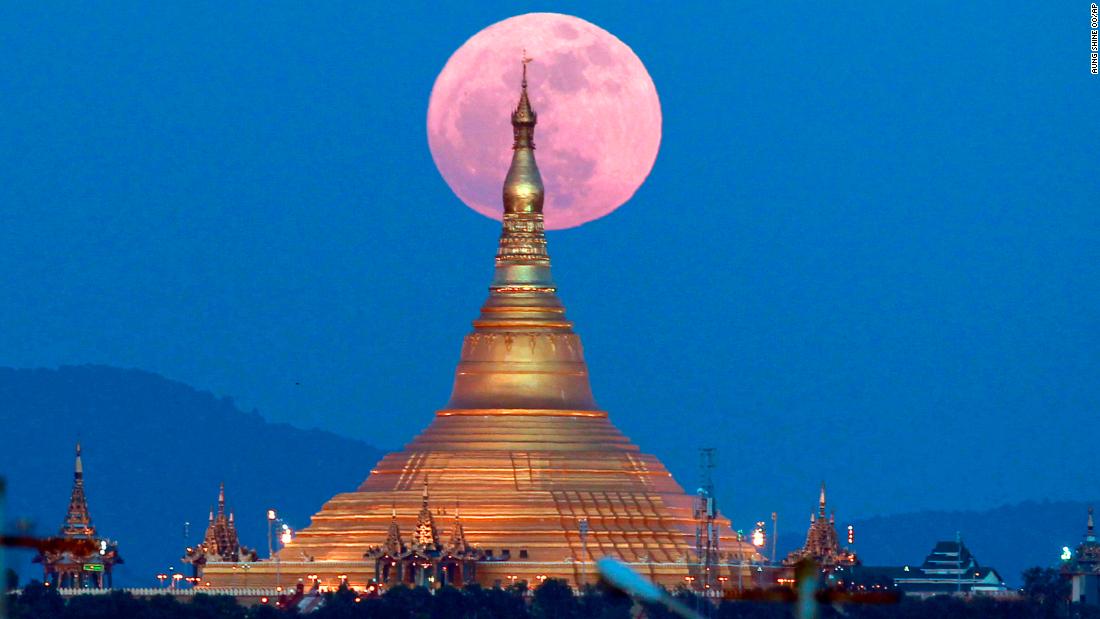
(822, 542)
(546, 482)
(427, 559)
(949, 569)
(220, 543)
(84, 559)
(1083, 568)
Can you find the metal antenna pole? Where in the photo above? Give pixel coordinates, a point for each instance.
(775, 534)
(583, 525)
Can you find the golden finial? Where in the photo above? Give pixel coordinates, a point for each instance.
(525, 59)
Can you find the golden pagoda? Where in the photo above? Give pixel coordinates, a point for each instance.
(545, 483)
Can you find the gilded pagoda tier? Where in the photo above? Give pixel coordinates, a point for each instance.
(523, 483)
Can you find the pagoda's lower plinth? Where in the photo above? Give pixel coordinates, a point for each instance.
(522, 482)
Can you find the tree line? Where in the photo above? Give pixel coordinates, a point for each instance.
(1044, 596)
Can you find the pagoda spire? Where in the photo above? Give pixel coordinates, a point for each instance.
(522, 240)
(426, 535)
(523, 353)
(394, 544)
(458, 534)
(821, 501)
(1090, 531)
(78, 522)
(221, 499)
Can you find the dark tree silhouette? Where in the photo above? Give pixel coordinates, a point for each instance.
(1045, 585)
(554, 599)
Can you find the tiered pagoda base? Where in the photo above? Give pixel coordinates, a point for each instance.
(522, 481)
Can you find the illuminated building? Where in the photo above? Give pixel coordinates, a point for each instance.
(950, 569)
(220, 543)
(84, 560)
(822, 543)
(427, 559)
(1083, 568)
(547, 485)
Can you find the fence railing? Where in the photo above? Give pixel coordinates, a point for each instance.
(150, 591)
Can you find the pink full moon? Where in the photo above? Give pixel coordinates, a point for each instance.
(599, 118)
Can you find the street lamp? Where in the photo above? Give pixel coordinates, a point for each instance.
(162, 577)
(285, 538)
(758, 536)
(176, 579)
(270, 522)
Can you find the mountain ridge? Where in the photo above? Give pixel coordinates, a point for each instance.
(154, 452)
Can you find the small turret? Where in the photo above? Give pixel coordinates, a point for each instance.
(426, 536)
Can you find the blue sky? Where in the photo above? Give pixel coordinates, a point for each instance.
(868, 251)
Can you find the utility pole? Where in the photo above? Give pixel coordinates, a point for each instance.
(775, 534)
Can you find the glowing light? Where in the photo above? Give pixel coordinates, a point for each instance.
(758, 535)
(1067, 554)
(271, 514)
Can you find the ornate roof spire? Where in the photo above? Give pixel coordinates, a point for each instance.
(1090, 532)
(458, 534)
(394, 544)
(523, 353)
(426, 535)
(821, 501)
(78, 522)
(221, 499)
